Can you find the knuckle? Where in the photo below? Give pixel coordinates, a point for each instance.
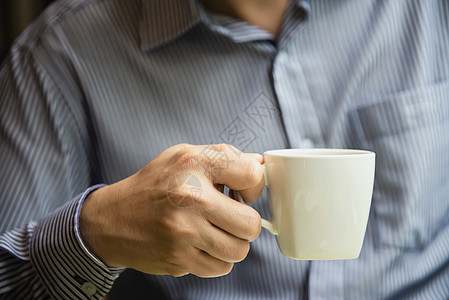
(184, 145)
(205, 206)
(226, 268)
(179, 150)
(174, 260)
(192, 159)
(218, 269)
(178, 273)
(180, 147)
(164, 177)
(215, 269)
(253, 225)
(172, 257)
(242, 252)
(253, 172)
(212, 244)
(177, 269)
(176, 226)
(186, 190)
(221, 147)
(234, 150)
(185, 156)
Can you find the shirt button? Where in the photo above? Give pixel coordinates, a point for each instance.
(89, 288)
(307, 143)
(282, 57)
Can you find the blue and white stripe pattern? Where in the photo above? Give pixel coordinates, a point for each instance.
(95, 89)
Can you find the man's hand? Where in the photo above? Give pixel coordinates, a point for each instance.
(171, 217)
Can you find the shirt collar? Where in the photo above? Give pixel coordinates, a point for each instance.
(164, 20)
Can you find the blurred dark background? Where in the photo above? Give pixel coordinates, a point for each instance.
(15, 16)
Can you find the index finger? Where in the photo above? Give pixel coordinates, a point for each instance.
(227, 165)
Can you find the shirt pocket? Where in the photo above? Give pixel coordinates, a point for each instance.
(409, 132)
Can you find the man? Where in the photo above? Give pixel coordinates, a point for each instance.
(110, 91)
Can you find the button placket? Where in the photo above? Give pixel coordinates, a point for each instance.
(296, 102)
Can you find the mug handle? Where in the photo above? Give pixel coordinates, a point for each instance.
(268, 225)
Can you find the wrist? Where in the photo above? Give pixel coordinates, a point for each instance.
(95, 226)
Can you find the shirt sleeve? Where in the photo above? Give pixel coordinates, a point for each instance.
(49, 258)
(47, 158)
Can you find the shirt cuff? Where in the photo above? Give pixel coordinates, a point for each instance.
(67, 268)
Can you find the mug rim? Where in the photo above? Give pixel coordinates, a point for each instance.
(318, 152)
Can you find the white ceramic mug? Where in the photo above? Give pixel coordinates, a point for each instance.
(319, 200)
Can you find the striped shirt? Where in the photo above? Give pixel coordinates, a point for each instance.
(95, 89)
